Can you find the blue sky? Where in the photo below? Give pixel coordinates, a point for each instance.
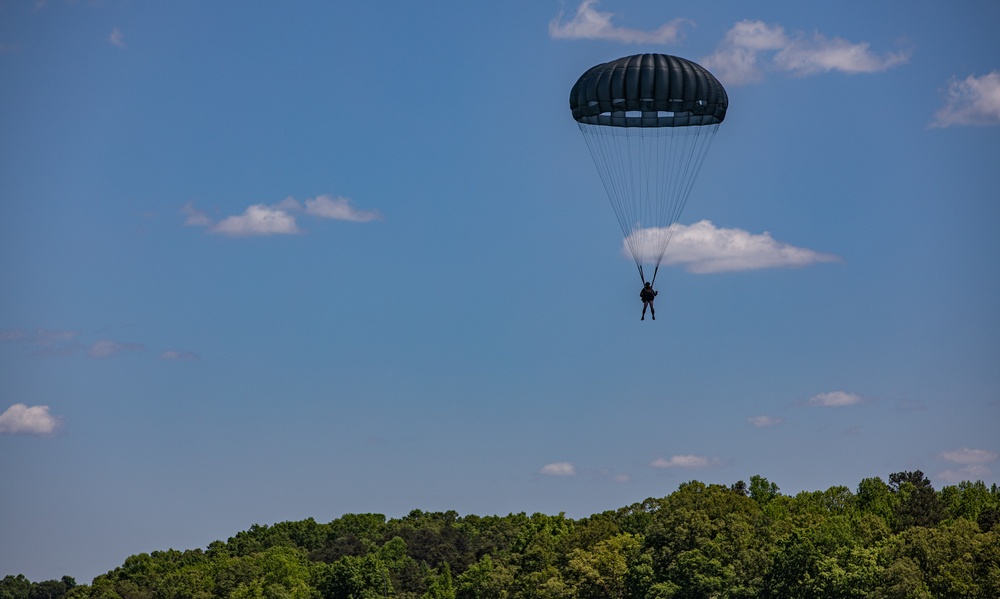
(265, 262)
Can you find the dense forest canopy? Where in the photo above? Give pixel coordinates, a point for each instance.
(901, 539)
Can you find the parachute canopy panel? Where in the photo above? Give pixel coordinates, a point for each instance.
(649, 90)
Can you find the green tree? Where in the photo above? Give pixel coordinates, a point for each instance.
(876, 498)
(51, 589)
(761, 490)
(918, 504)
(485, 579)
(709, 537)
(608, 569)
(279, 572)
(903, 580)
(15, 587)
(440, 585)
(966, 499)
(954, 559)
(988, 519)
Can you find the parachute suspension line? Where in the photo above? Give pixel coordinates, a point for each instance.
(669, 175)
(703, 141)
(680, 173)
(648, 174)
(612, 156)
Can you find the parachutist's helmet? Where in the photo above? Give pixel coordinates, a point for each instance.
(648, 284)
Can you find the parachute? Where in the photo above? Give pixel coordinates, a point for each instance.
(648, 121)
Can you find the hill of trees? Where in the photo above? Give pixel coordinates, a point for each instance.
(901, 539)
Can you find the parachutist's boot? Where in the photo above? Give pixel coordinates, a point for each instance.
(653, 314)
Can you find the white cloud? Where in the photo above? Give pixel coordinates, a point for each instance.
(821, 55)
(339, 208)
(279, 218)
(685, 461)
(834, 399)
(735, 60)
(116, 38)
(970, 456)
(762, 421)
(589, 23)
(702, 248)
(971, 101)
(751, 47)
(105, 348)
(258, 220)
(36, 420)
(558, 469)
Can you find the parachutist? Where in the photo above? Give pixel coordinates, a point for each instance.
(647, 295)
(648, 120)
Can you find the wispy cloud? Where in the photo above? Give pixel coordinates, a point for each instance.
(105, 348)
(34, 420)
(613, 476)
(973, 464)
(279, 218)
(910, 405)
(703, 248)
(834, 399)
(764, 421)
(42, 337)
(971, 101)
(750, 48)
(44, 341)
(686, 461)
(172, 355)
(558, 469)
(12, 335)
(54, 342)
(589, 23)
(194, 217)
(854, 430)
(970, 456)
(116, 38)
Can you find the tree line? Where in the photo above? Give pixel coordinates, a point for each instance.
(887, 540)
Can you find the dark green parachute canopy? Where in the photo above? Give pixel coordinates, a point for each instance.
(648, 90)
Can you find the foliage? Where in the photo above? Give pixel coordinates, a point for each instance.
(901, 539)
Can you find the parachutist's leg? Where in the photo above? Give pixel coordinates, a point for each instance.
(643, 311)
(652, 312)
